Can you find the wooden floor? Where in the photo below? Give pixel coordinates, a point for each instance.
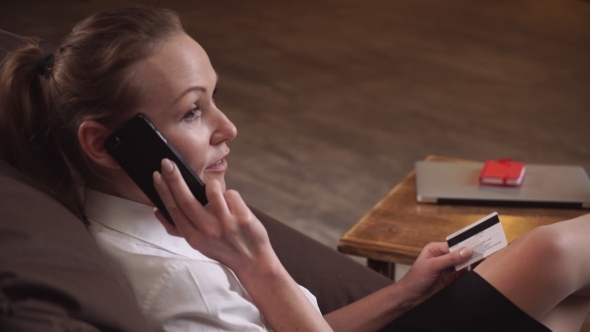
(335, 100)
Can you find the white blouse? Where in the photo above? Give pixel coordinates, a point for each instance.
(177, 287)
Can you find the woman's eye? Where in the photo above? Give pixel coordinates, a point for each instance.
(192, 114)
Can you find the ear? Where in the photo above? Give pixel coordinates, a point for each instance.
(91, 135)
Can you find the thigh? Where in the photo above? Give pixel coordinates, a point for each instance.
(569, 315)
(543, 267)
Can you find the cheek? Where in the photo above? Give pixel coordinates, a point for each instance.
(193, 150)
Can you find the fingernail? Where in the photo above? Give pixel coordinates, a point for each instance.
(157, 177)
(466, 252)
(167, 166)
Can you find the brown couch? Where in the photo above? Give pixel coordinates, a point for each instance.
(53, 276)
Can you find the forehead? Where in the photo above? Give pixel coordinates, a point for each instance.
(178, 65)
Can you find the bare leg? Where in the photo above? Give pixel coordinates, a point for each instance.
(543, 267)
(569, 315)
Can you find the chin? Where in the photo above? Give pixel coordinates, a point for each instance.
(219, 177)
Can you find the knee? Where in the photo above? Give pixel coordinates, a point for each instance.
(550, 246)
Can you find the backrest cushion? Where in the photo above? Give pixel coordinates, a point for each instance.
(53, 276)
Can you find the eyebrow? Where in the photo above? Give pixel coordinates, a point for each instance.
(196, 88)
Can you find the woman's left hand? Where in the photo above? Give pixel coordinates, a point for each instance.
(433, 270)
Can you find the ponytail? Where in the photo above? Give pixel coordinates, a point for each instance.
(25, 123)
(42, 103)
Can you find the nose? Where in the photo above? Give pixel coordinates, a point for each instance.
(225, 130)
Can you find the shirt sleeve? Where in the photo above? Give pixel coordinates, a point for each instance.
(201, 296)
(179, 293)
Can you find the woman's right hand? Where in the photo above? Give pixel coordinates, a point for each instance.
(226, 231)
(230, 233)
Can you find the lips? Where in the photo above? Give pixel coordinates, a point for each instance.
(219, 166)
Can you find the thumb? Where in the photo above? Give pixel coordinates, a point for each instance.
(465, 253)
(454, 258)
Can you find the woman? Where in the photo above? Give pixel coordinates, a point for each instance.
(57, 111)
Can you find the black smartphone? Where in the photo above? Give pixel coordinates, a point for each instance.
(138, 147)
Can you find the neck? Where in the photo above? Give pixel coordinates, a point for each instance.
(119, 184)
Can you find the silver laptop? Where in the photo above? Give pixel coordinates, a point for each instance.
(543, 185)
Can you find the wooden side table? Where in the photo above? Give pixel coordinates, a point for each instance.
(397, 228)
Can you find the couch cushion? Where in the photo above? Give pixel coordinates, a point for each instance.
(53, 276)
(334, 278)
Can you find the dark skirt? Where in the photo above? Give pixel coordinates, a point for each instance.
(468, 304)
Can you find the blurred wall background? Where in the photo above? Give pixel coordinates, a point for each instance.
(335, 100)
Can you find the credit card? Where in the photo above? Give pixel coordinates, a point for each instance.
(485, 236)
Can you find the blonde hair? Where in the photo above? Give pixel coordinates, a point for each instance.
(40, 111)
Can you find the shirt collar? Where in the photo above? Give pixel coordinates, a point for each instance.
(136, 220)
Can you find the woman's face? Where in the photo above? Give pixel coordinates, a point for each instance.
(177, 85)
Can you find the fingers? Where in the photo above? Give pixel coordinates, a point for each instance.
(236, 205)
(217, 202)
(188, 214)
(183, 197)
(177, 198)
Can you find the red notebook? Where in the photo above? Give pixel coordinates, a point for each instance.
(503, 172)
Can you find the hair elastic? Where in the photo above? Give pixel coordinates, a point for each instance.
(45, 62)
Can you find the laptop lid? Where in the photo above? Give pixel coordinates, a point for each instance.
(543, 185)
